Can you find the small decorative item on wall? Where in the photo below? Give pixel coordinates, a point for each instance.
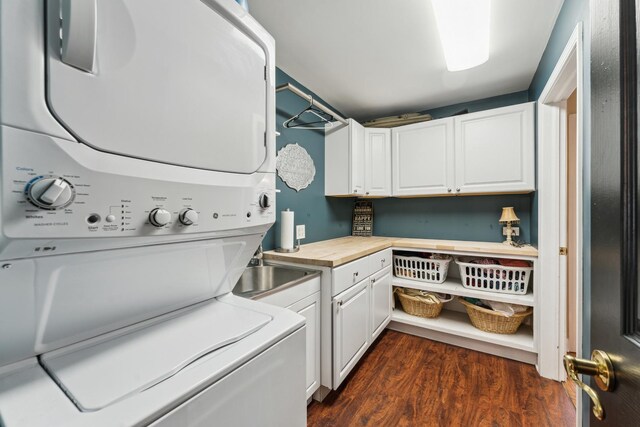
(295, 166)
(362, 219)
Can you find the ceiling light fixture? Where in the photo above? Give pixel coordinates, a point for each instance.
(464, 31)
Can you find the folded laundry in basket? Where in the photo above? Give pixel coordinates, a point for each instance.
(514, 263)
(485, 261)
(505, 308)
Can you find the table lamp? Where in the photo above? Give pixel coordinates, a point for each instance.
(509, 217)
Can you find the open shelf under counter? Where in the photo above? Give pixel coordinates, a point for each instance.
(454, 286)
(458, 324)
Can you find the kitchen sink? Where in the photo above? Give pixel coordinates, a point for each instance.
(266, 279)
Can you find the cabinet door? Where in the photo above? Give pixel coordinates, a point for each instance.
(344, 160)
(357, 157)
(495, 150)
(377, 167)
(309, 307)
(350, 329)
(423, 162)
(380, 301)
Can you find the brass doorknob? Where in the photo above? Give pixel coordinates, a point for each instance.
(600, 367)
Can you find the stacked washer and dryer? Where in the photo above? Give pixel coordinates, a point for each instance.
(138, 165)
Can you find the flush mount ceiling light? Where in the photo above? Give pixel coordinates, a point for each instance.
(464, 31)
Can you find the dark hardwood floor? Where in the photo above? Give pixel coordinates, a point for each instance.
(410, 381)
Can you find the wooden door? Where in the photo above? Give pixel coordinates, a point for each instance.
(495, 151)
(614, 302)
(422, 158)
(377, 168)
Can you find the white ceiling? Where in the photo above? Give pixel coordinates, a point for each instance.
(371, 58)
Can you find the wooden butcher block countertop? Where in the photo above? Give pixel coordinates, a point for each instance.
(335, 252)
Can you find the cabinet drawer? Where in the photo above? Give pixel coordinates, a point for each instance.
(380, 260)
(347, 275)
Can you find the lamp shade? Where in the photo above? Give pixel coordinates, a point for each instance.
(508, 215)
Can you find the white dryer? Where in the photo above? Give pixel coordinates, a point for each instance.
(137, 178)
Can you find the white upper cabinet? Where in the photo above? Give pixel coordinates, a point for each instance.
(377, 164)
(344, 160)
(495, 151)
(479, 153)
(487, 152)
(423, 158)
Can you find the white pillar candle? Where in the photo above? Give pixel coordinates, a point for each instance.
(286, 229)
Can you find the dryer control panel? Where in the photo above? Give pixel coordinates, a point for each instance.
(93, 194)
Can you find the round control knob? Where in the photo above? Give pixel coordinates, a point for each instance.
(264, 200)
(188, 216)
(159, 217)
(50, 192)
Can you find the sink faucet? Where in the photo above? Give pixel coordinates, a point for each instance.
(256, 260)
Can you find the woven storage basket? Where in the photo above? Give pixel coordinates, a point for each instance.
(494, 277)
(421, 305)
(423, 269)
(493, 321)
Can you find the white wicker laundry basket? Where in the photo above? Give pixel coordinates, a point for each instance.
(494, 277)
(423, 269)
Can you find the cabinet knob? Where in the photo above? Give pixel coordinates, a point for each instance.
(458, 190)
(448, 190)
(373, 280)
(355, 191)
(367, 193)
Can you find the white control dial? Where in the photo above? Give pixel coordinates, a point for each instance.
(159, 217)
(50, 192)
(188, 216)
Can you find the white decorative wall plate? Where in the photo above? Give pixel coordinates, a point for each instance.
(295, 166)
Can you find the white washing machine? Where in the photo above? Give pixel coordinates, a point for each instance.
(137, 179)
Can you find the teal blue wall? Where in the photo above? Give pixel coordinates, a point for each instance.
(572, 12)
(464, 218)
(455, 218)
(480, 105)
(324, 217)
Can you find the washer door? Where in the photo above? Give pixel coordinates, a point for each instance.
(173, 82)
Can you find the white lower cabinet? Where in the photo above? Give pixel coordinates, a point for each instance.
(380, 301)
(305, 299)
(309, 308)
(350, 329)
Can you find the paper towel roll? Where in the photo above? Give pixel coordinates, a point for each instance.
(286, 229)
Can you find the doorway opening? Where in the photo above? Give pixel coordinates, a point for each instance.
(571, 198)
(560, 166)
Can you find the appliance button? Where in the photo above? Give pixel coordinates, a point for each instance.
(188, 216)
(110, 218)
(159, 217)
(93, 218)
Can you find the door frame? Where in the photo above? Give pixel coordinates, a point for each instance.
(552, 171)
